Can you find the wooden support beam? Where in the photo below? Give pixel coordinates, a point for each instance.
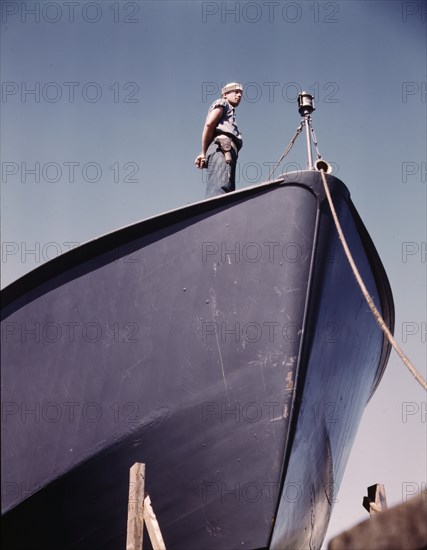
(153, 526)
(375, 501)
(140, 510)
(135, 525)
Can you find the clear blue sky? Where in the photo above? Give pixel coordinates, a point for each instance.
(119, 95)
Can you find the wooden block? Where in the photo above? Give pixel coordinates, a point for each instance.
(375, 501)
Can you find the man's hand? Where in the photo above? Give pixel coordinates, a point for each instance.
(200, 161)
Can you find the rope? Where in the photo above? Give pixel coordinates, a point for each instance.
(286, 151)
(314, 140)
(365, 293)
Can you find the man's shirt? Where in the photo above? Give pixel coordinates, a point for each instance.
(227, 123)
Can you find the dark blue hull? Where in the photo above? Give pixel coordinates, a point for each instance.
(225, 345)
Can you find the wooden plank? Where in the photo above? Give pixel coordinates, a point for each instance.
(135, 525)
(153, 526)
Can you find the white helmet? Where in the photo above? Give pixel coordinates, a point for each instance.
(231, 87)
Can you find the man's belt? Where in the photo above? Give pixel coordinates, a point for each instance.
(226, 144)
(234, 139)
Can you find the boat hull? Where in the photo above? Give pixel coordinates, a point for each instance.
(207, 343)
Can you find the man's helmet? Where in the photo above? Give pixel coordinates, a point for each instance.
(231, 87)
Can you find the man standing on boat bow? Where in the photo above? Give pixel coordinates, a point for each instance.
(221, 142)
